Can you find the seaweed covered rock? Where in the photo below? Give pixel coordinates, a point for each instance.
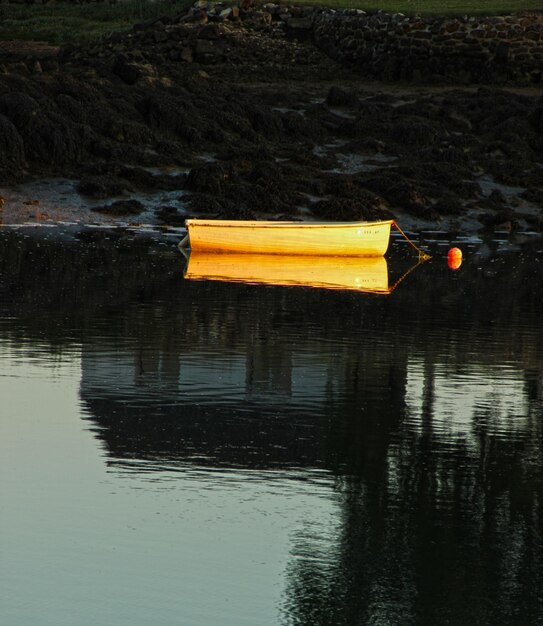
(121, 207)
(47, 136)
(11, 146)
(209, 178)
(103, 186)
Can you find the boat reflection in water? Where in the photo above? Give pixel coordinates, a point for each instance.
(364, 274)
(268, 455)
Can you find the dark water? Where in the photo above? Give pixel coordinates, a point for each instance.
(198, 453)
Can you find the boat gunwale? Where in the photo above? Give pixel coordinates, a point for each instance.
(281, 224)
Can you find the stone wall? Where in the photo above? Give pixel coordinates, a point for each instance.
(398, 47)
(384, 46)
(475, 49)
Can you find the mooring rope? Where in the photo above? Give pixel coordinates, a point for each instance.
(423, 256)
(406, 274)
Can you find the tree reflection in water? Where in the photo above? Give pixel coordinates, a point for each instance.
(425, 406)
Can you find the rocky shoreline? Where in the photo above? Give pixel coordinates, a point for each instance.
(237, 112)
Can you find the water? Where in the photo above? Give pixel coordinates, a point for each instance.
(202, 453)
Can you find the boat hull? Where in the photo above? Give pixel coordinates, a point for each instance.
(362, 274)
(298, 238)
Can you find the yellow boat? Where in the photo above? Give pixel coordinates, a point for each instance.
(293, 238)
(363, 274)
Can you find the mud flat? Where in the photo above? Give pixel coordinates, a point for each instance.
(240, 113)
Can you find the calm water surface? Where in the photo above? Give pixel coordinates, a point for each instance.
(199, 453)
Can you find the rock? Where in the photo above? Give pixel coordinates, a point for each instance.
(160, 36)
(272, 8)
(350, 209)
(533, 195)
(299, 23)
(19, 108)
(170, 215)
(496, 198)
(209, 178)
(128, 131)
(226, 13)
(449, 204)
(148, 24)
(102, 186)
(460, 121)
(19, 68)
(401, 193)
(128, 72)
(235, 210)
(210, 31)
(186, 55)
(265, 121)
(11, 146)
(410, 131)
(142, 179)
(299, 27)
(299, 127)
(536, 119)
(195, 16)
(49, 65)
(500, 221)
(47, 136)
(206, 51)
(338, 96)
(257, 116)
(139, 177)
(121, 207)
(165, 112)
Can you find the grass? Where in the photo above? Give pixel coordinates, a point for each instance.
(79, 23)
(437, 7)
(62, 23)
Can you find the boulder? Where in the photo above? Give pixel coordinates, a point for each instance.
(210, 178)
(48, 137)
(338, 96)
(102, 186)
(207, 51)
(170, 215)
(121, 207)
(12, 155)
(127, 71)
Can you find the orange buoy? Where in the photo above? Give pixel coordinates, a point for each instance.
(454, 258)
